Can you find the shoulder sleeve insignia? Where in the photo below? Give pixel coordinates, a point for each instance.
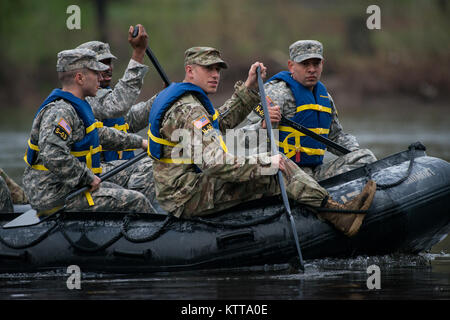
(259, 111)
(65, 126)
(203, 124)
(62, 129)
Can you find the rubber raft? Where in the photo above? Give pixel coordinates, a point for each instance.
(410, 213)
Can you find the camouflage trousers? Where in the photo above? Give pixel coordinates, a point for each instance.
(344, 163)
(18, 196)
(111, 198)
(6, 204)
(138, 177)
(215, 194)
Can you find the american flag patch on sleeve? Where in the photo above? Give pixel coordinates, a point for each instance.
(64, 125)
(201, 122)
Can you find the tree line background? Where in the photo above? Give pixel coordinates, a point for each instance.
(408, 56)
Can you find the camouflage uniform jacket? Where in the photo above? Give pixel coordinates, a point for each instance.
(175, 184)
(114, 103)
(282, 95)
(65, 172)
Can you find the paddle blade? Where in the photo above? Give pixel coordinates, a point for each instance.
(31, 218)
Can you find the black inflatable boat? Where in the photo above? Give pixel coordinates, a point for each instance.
(410, 213)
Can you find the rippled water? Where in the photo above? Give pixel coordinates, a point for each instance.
(402, 277)
(425, 276)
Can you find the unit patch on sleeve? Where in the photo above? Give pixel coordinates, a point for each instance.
(259, 111)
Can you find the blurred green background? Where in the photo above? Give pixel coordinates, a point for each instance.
(408, 56)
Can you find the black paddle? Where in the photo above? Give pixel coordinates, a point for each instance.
(274, 150)
(33, 217)
(152, 58)
(314, 135)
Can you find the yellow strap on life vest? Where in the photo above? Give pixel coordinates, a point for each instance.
(88, 155)
(290, 150)
(215, 115)
(93, 126)
(316, 107)
(160, 140)
(89, 199)
(33, 146)
(34, 166)
(122, 127)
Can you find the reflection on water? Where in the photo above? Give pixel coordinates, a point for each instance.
(402, 277)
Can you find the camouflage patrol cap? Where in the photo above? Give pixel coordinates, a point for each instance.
(305, 49)
(74, 59)
(203, 56)
(100, 48)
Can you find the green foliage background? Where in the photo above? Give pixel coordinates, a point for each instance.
(409, 55)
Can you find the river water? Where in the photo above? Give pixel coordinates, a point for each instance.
(424, 276)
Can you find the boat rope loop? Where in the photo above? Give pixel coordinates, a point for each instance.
(153, 236)
(411, 153)
(83, 248)
(254, 222)
(30, 244)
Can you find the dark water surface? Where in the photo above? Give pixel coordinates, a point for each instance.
(425, 276)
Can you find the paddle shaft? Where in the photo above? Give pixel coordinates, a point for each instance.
(279, 173)
(109, 174)
(314, 135)
(153, 59)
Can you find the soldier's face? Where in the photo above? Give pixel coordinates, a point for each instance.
(307, 72)
(206, 77)
(91, 82)
(107, 75)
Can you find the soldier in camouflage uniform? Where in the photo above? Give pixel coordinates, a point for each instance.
(6, 204)
(305, 67)
(110, 106)
(191, 185)
(18, 196)
(65, 141)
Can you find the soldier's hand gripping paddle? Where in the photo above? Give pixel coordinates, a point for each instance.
(33, 217)
(274, 150)
(153, 59)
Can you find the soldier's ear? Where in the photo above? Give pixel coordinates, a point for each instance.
(290, 65)
(189, 71)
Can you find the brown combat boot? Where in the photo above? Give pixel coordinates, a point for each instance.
(348, 223)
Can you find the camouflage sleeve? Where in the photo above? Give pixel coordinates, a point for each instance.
(114, 103)
(234, 110)
(338, 135)
(55, 145)
(112, 139)
(137, 117)
(212, 160)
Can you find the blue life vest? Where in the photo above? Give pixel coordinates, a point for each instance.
(87, 149)
(162, 103)
(314, 111)
(121, 125)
